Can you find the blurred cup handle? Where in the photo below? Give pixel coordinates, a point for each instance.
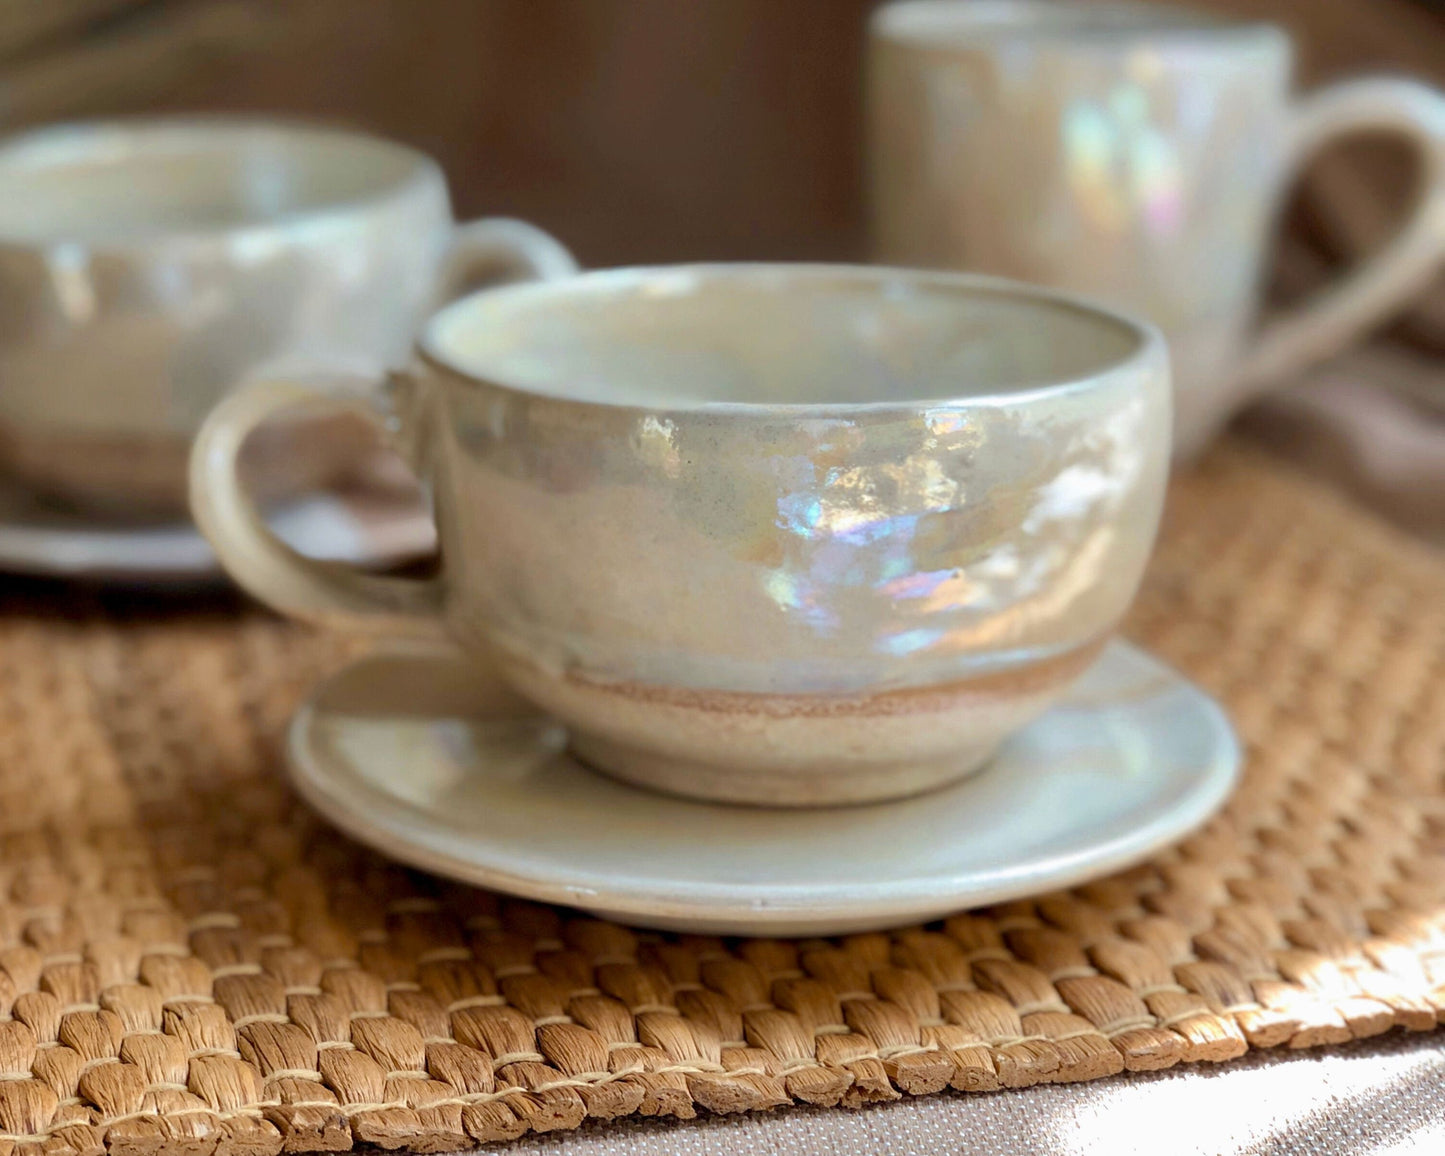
(330, 593)
(502, 249)
(1402, 269)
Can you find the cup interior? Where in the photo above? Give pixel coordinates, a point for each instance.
(121, 180)
(760, 335)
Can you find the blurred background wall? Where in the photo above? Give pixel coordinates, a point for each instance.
(635, 130)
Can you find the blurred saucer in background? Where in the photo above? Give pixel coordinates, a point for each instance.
(376, 526)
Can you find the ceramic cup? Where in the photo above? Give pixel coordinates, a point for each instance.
(148, 266)
(763, 533)
(1138, 154)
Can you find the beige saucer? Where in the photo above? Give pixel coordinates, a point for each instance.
(430, 761)
(361, 528)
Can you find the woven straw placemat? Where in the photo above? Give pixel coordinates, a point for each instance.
(191, 961)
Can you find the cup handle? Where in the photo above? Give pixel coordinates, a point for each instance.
(502, 249)
(329, 593)
(1404, 267)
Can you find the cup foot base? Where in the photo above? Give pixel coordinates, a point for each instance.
(820, 786)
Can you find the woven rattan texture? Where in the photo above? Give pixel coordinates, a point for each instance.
(189, 960)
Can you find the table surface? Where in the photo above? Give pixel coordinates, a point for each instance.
(163, 899)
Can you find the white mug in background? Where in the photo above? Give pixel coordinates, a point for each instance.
(1139, 154)
(147, 267)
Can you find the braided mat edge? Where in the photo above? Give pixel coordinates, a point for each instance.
(191, 961)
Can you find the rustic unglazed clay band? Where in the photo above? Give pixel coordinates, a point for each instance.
(189, 959)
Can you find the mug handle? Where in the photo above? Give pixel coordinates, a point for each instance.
(328, 593)
(502, 249)
(1403, 268)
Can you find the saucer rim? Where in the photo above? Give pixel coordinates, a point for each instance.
(811, 906)
(74, 550)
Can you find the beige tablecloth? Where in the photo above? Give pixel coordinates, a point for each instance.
(1384, 1097)
(1373, 423)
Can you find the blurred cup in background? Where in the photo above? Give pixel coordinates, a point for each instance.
(147, 267)
(1139, 154)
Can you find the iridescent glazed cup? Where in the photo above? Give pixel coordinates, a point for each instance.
(773, 534)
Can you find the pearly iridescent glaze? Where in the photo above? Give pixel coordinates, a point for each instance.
(784, 547)
(779, 534)
(1135, 153)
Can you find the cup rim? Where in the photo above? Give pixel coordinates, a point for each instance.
(123, 137)
(1114, 24)
(1147, 341)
